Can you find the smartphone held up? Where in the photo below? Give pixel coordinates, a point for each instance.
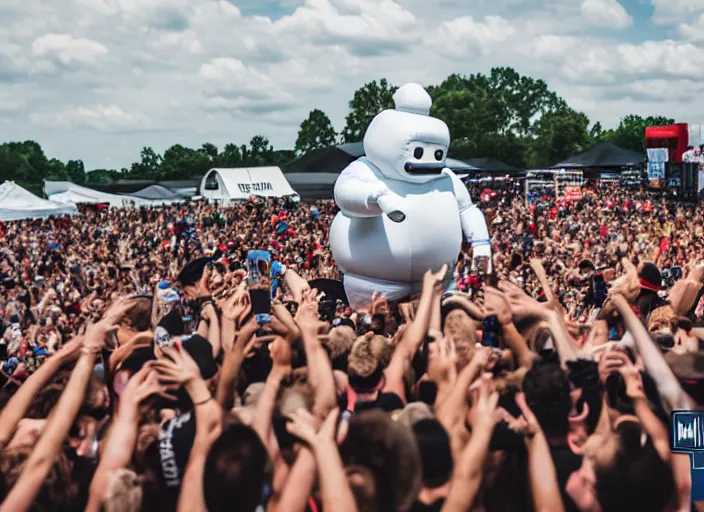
(259, 281)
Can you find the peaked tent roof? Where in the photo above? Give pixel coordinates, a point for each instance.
(16, 203)
(67, 192)
(491, 164)
(158, 193)
(602, 155)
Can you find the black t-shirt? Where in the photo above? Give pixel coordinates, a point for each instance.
(566, 462)
(175, 442)
(388, 402)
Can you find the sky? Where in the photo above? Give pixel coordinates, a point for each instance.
(99, 79)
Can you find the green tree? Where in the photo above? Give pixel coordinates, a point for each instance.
(315, 132)
(76, 171)
(367, 102)
(180, 163)
(557, 136)
(102, 176)
(57, 171)
(494, 115)
(231, 156)
(630, 133)
(148, 168)
(259, 153)
(211, 150)
(283, 156)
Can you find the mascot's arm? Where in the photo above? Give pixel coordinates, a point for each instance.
(474, 225)
(360, 193)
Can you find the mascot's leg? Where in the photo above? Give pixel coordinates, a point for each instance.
(359, 290)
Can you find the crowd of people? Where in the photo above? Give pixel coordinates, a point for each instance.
(136, 376)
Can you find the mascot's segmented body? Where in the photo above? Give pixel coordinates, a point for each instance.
(402, 211)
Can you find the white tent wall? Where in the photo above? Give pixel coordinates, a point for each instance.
(67, 192)
(17, 203)
(239, 184)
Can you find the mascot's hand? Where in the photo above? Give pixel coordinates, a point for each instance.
(392, 205)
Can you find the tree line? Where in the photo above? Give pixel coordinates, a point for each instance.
(504, 115)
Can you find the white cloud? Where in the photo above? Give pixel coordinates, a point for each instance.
(693, 31)
(68, 49)
(366, 27)
(670, 11)
(606, 13)
(662, 57)
(465, 35)
(110, 118)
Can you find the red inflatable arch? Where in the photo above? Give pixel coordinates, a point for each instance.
(674, 137)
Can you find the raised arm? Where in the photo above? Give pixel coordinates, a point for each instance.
(467, 477)
(17, 407)
(541, 469)
(334, 485)
(123, 433)
(413, 336)
(655, 364)
(319, 368)
(47, 448)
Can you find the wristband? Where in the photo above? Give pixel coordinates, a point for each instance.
(203, 402)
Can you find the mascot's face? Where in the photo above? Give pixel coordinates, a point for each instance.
(406, 144)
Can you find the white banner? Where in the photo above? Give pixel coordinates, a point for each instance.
(696, 135)
(656, 163)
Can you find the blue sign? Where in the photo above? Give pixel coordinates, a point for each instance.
(687, 436)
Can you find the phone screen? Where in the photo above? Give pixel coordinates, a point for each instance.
(258, 266)
(490, 332)
(261, 304)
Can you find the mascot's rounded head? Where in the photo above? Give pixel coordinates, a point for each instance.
(407, 144)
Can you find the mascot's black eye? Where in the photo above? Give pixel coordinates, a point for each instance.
(438, 155)
(418, 153)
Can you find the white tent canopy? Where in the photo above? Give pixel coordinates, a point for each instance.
(17, 203)
(67, 192)
(240, 184)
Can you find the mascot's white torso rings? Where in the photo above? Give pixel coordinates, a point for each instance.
(402, 211)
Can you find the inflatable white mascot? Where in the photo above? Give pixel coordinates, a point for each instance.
(402, 212)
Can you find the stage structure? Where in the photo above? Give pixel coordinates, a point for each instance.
(560, 184)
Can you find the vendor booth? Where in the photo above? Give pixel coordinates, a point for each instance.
(16, 203)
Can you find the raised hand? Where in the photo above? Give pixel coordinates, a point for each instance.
(144, 384)
(236, 307)
(434, 280)
(627, 285)
(611, 361)
(308, 321)
(527, 423)
(522, 306)
(280, 352)
(442, 361)
(485, 398)
(634, 380)
(496, 304)
(177, 366)
(96, 333)
(303, 425)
